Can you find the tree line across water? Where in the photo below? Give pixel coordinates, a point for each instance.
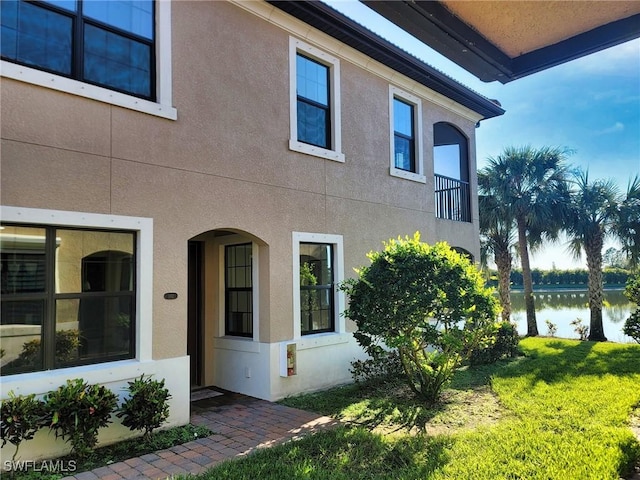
(574, 278)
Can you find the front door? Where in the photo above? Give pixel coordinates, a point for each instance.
(194, 332)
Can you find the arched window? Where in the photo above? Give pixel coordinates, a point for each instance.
(451, 168)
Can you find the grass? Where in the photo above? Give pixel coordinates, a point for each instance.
(392, 408)
(119, 451)
(561, 411)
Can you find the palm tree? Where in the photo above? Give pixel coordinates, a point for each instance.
(627, 223)
(593, 210)
(497, 238)
(532, 184)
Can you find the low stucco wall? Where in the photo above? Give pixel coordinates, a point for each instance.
(115, 375)
(256, 368)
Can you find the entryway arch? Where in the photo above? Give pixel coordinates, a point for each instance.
(226, 283)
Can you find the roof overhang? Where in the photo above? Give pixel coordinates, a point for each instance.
(349, 32)
(505, 40)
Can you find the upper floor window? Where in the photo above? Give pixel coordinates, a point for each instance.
(314, 113)
(405, 113)
(451, 168)
(315, 102)
(68, 297)
(106, 43)
(239, 290)
(404, 142)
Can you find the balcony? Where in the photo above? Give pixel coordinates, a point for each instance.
(452, 199)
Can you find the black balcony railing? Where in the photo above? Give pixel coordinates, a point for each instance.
(452, 199)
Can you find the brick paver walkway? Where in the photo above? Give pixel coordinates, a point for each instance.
(240, 424)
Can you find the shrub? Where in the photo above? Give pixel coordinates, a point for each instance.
(501, 343)
(382, 366)
(147, 407)
(21, 417)
(552, 328)
(632, 289)
(427, 302)
(580, 329)
(632, 324)
(78, 411)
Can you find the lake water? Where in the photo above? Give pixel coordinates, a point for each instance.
(562, 307)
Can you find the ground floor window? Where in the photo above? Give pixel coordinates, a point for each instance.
(238, 290)
(318, 269)
(68, 297)
(317, 313)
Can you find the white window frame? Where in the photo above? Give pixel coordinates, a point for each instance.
(144, 276)
(418, 176)
(335, 153)
(161, 108)
(255, 287)
(339, 297)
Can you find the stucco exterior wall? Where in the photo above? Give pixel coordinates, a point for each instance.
(224, 164)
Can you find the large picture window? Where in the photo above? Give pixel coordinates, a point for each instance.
(105, 43)
(317, 312)
(68, 297)
(239, 290)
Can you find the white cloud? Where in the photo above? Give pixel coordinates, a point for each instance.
(623, 59)
(616, 127)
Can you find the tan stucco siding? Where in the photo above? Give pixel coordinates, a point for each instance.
(224, 163)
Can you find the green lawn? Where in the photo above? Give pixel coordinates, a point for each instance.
(561, 412)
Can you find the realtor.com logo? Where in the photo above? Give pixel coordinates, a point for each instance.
(51, 466)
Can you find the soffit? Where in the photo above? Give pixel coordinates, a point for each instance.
(351, 33)
(521, 27)
(505, 39)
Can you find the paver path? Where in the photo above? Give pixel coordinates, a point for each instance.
(240, 424)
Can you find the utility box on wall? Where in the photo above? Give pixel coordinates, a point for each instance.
(288, 360)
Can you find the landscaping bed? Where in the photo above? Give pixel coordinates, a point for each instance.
(113, 453)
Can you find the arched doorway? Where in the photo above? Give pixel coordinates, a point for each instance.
(223, 296)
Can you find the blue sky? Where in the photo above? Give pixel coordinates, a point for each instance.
(590, 105)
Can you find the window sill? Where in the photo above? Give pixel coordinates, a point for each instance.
(75, 87)
(322, 340)
(316, 151)
(414, 177)
(58, 375)
(461, 222)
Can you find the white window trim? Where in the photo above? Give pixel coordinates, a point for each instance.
(336, 241)
(144, 254)
(295, 46)
(162, 108)
(255, 289)
(294, 26)
(395, 92)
